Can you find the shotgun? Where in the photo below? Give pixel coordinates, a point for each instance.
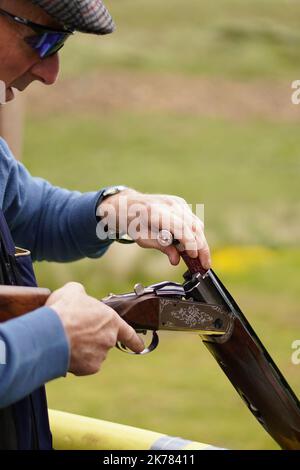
(204, 306)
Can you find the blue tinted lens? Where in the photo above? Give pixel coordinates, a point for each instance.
(48, 43)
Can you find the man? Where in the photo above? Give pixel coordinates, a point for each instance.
(74, 331)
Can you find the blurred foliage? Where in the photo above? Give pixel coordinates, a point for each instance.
(246, 174)
(230, 38)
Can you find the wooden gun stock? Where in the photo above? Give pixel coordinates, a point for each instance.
(16, 301)
(129, 308)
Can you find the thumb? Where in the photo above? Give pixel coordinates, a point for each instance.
(172, 254)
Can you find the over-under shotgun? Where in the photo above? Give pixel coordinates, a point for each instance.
(202, 305)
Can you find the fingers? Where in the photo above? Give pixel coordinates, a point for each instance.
(68, 290)
(189, 230)
(130, 338)
(204, 251)
(173, 254)
(147, 214)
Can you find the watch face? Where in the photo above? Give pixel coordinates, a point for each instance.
(113, 190)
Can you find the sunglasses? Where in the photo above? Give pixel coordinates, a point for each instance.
(46, 41)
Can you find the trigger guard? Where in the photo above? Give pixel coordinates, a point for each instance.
(153, 345)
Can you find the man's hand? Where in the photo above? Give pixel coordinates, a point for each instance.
(92, 328)
(143, 216)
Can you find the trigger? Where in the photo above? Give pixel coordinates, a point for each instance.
(153, 345)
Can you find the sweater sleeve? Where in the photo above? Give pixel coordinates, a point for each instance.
(34, 349)
(55, 224)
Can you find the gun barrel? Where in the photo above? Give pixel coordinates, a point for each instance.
(251, 370)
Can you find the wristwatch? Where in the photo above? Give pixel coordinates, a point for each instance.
(111, 191)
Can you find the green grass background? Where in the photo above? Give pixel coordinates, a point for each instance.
(246, 173)
(224, 38)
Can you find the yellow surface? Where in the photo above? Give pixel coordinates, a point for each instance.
(73, 432)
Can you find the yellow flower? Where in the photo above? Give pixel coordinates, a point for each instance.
(237, 259)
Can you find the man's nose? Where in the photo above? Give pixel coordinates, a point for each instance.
(46, 70)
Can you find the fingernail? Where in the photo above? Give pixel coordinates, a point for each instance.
(207, 264)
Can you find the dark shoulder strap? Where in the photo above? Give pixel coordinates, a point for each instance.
(8, 432)
(9, 273)
(20, 415)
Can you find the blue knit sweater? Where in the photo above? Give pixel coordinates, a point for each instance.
(55, 225)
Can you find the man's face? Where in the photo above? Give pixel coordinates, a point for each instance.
(20, 65)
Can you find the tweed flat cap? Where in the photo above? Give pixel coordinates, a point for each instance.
(87, 16)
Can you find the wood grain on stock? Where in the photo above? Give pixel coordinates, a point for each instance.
(16, 301)
(193, 264)
(141, 312)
